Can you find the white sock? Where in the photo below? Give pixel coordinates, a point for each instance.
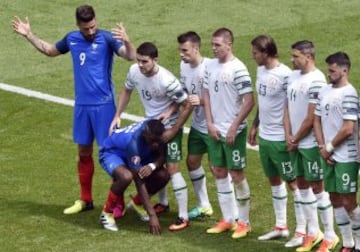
(198, 180)
(299, 213)
(163, 199)
(355, 225)
(226, 199)
(344, 224)
(310, 211)
(279, 200)
(242, 194)
(326, 214)
(181, 195)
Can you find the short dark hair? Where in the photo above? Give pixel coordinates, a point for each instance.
(154, 130)
(225, 33)
(305, 47)
(147, 49)
(340, 58)
(84, 13)
(191, 36)
(265, 44)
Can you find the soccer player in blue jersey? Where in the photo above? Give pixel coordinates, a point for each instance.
(92, 52)
(134, 152)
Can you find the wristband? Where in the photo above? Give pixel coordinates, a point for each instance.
(152, 166)
(329, 147)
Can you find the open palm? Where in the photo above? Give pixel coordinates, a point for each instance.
(21, 27)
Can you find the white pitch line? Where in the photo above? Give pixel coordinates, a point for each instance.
(69, 102)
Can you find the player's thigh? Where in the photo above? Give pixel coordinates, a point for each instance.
(197, 142)
(236, 154)
(101, 118)
(275, 159)
(110, 162)
(346, 177)
(82, 128)
(174, 148)
(216, 153)
(311, 162)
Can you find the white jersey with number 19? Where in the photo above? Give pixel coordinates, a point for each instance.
(157, 92)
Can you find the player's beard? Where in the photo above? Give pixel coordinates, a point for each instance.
(90, 37)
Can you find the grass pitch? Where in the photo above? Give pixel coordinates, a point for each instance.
(38, 159)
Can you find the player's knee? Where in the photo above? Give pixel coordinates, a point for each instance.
(193, 163)
(123, 175)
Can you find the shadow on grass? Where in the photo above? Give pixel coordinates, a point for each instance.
(135, 231)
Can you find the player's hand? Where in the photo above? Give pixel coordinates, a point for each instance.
(214, 132)
(163, 117)
(21, 27)
(231, 135)
(119, 33)
(194, 100)
(330, 161)
(291, 144)
(154, 225)
(145, 171)
(252, 136)
(115, 124)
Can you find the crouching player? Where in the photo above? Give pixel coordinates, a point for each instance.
(135, 152)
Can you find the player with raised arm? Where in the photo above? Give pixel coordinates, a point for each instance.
(92, 52)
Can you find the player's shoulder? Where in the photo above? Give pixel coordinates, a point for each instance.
(294, 74)
(165, 73)
(284, 68)
(75, 34)
(318, 72)
(351, 89)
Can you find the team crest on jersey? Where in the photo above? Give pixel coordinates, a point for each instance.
(273, 84)
(135, 160)
(94, 46)
(225, 78)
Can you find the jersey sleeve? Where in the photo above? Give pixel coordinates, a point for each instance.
(350, 106)
(242, 81)
(176, 92)
(114, 44)
(62, 45)
(318, 103)
(130, 78)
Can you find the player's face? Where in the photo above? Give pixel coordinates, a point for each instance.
(188, 52)
(146, 64)
(258, 56)
(336, 73)
(298, 59)
(88, 30)
(221, 48)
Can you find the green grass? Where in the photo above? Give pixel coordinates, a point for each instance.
(38, 159)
